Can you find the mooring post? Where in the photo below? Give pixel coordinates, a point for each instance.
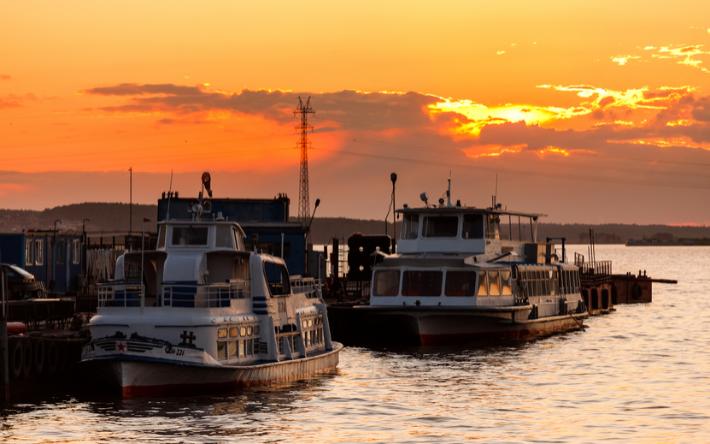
(4, 356)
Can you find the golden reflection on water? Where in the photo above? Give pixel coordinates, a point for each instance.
(641, 374)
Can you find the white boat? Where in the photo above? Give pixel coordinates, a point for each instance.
(200, 311)
(459, 277)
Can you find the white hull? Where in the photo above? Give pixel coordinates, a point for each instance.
(137, 377)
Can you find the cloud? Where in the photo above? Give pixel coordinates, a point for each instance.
(5, 77)
(622, 60)
(16, 100)
(701, 109)
(352, 110)
(688, 55)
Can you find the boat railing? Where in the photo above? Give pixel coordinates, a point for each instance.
(120, 294)
(308, 285)
(594, 268)
(204, 295)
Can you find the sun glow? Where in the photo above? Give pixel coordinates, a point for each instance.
(478, 115)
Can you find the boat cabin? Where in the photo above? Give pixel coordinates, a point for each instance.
(467, 230)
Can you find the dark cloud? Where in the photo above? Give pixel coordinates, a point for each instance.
(701, 110)
(16, 100)
(353, 110)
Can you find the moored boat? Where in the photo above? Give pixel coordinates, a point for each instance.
(459, 276)
(200, 311)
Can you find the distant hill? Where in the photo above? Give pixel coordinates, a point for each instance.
(114, 217)
(101, 217)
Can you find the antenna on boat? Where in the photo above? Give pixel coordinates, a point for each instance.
(494, 198)
(170, 195)
(448, 192)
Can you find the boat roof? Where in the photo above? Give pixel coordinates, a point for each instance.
(467, 210)
(429, 261)
(198, 222)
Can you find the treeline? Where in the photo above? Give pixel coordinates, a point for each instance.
(114, 217)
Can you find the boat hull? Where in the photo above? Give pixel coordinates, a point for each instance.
(423, 326)
(140, 377)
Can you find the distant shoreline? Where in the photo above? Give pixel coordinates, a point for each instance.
(113, 217)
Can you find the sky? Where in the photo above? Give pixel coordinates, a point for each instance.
(588, 112)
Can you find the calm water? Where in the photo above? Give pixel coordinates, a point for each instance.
(641, 374)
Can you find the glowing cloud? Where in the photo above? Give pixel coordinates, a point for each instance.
(689, 55)
(622, 60)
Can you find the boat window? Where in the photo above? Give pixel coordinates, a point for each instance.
(28, 252)
(39, 251)
(233, 332)
(482, 284)
(472, 226)
(76, 251)
(222, 351)
(277, 278)
(506, 286)
(460, 283)
(441, 226)
(421, 283)
(493, 226)
(493, 283)
(386, 283)
(161, 237)
(232, 349)
(183, 236)
(410, 229)
(224, 237)
(237, 238)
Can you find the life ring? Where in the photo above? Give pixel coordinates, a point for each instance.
(52, 358)
(39, 349)
(27, 358)
(16, 359)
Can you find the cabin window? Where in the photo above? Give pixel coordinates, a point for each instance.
(222, 351)
(493, 226)
(39, 251)
(506, 288)
(410, 229)
(76, 251)
(233, 332)
(232, 349)
(441, 226)
(277, 279)
(189, 236)
(161, 237)
(60, 252)
(386, 283)
(472, 226)
(237, 238)
(225, 236)
(29, 259)
(421, 283)
(482, 284)
(493, 283)
(460, 283)
(221, 332)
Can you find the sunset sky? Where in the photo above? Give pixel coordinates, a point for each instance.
(587, 111)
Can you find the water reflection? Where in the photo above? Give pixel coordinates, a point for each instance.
(641, 374)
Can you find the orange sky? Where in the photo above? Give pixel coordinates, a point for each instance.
(606, 100)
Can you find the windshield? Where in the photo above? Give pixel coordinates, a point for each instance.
(189, 236)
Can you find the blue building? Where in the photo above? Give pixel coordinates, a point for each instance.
(264, 221)
(54, 258)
